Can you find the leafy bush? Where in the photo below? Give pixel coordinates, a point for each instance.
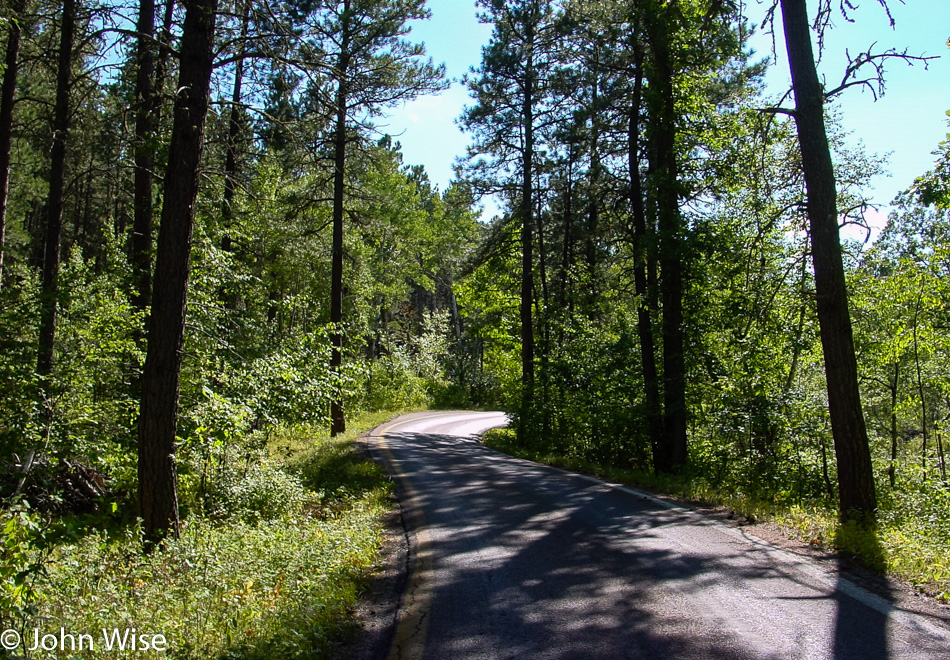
(18, 319)
(22, 543)
(272, 575)
(393, 383)
(263, 492)
(410, 376)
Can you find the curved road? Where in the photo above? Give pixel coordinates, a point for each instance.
(511, 559)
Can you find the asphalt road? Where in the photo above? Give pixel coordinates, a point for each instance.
(511, 559)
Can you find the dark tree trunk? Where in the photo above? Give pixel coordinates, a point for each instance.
(594, 201)
(566, 252)
(164, 53)
(527, 237)
(673, 449)
(924, 417)
(234, 132)
(54, 204)
(542, 312)
(337, 417)
(144, 154)
(855, 475)
(654, 411)
(7, 98)
(49, 274)
(158, 416)
(892, 468)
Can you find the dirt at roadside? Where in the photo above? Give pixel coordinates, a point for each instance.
(378, 606)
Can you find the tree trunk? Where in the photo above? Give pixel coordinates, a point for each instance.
(158, 416)
(164, 54)
(144, 154)
(527, 233)
(234, 132)
(337, 417)
(855, 475)
(654, 411)
(924, 428)
(594, 200)
(892, 468)
(7, 99)
(54, 204)
(673, 449)
(49, 275)
(565, 267)
(542, 313)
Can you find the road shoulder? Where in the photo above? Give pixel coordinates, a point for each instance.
(378, 607)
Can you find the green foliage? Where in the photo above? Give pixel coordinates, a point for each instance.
(259, 491)
(97, 356)
(393, 383)
(759, 432)
(22, 554)
(273, 573)
(89, 414)
(412, 376)
(19, 315)
(933, 188)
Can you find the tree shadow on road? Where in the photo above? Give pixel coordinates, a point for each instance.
(531, 562)
(861, 620)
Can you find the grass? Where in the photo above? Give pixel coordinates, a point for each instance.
(910, 544)
(263, 580)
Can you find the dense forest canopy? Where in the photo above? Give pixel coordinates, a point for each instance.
(206, 238)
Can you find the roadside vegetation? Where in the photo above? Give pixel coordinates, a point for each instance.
(271, 558)
(656, 303)
(179, 321)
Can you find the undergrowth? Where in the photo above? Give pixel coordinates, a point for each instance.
(271, 568)
(907, 543)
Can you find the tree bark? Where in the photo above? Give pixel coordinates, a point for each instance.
(654, 411)
(566, 252)
(924, 427)
(144, 154)
(594, 199)
(895, 380)
(164, 54)
(855, 475)
(527, 233)
(7, 100)
(673, 449)
(234, 132)
(54, 204)
(337, 416)
(158, 493)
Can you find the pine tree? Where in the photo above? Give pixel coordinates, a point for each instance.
(372, 67)
(511, 89)
(855, 472)
(158, 414)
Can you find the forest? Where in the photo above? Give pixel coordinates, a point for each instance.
(216, 269)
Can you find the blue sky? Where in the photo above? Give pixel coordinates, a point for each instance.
(907, 123)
